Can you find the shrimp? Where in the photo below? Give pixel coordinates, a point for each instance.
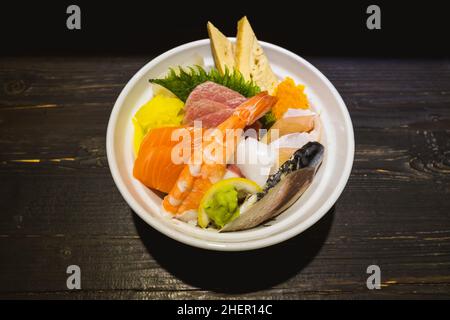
(195, 179)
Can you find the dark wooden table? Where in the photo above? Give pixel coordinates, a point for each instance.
(59, 205)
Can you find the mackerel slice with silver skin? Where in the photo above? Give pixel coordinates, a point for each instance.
(281, 190)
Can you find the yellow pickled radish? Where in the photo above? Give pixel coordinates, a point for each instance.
(160, 111)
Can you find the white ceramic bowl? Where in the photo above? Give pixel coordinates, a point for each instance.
(328, 184)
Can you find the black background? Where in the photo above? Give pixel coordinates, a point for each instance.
(308, 28)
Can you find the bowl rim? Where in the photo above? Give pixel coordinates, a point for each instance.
(276, 236)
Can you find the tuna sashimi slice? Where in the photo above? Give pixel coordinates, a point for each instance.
(211, 103)
(203, 108)
(215, 92)
(214, 119)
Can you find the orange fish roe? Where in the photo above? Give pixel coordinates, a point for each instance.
(289, 95)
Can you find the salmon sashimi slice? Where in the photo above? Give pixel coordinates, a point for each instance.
(155, 169)
(154, 166)
(160, 137)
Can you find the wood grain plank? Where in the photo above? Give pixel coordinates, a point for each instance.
(60, 206)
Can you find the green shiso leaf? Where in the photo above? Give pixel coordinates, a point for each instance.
(182, 83)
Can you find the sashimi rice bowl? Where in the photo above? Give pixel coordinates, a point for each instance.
(221, 149)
